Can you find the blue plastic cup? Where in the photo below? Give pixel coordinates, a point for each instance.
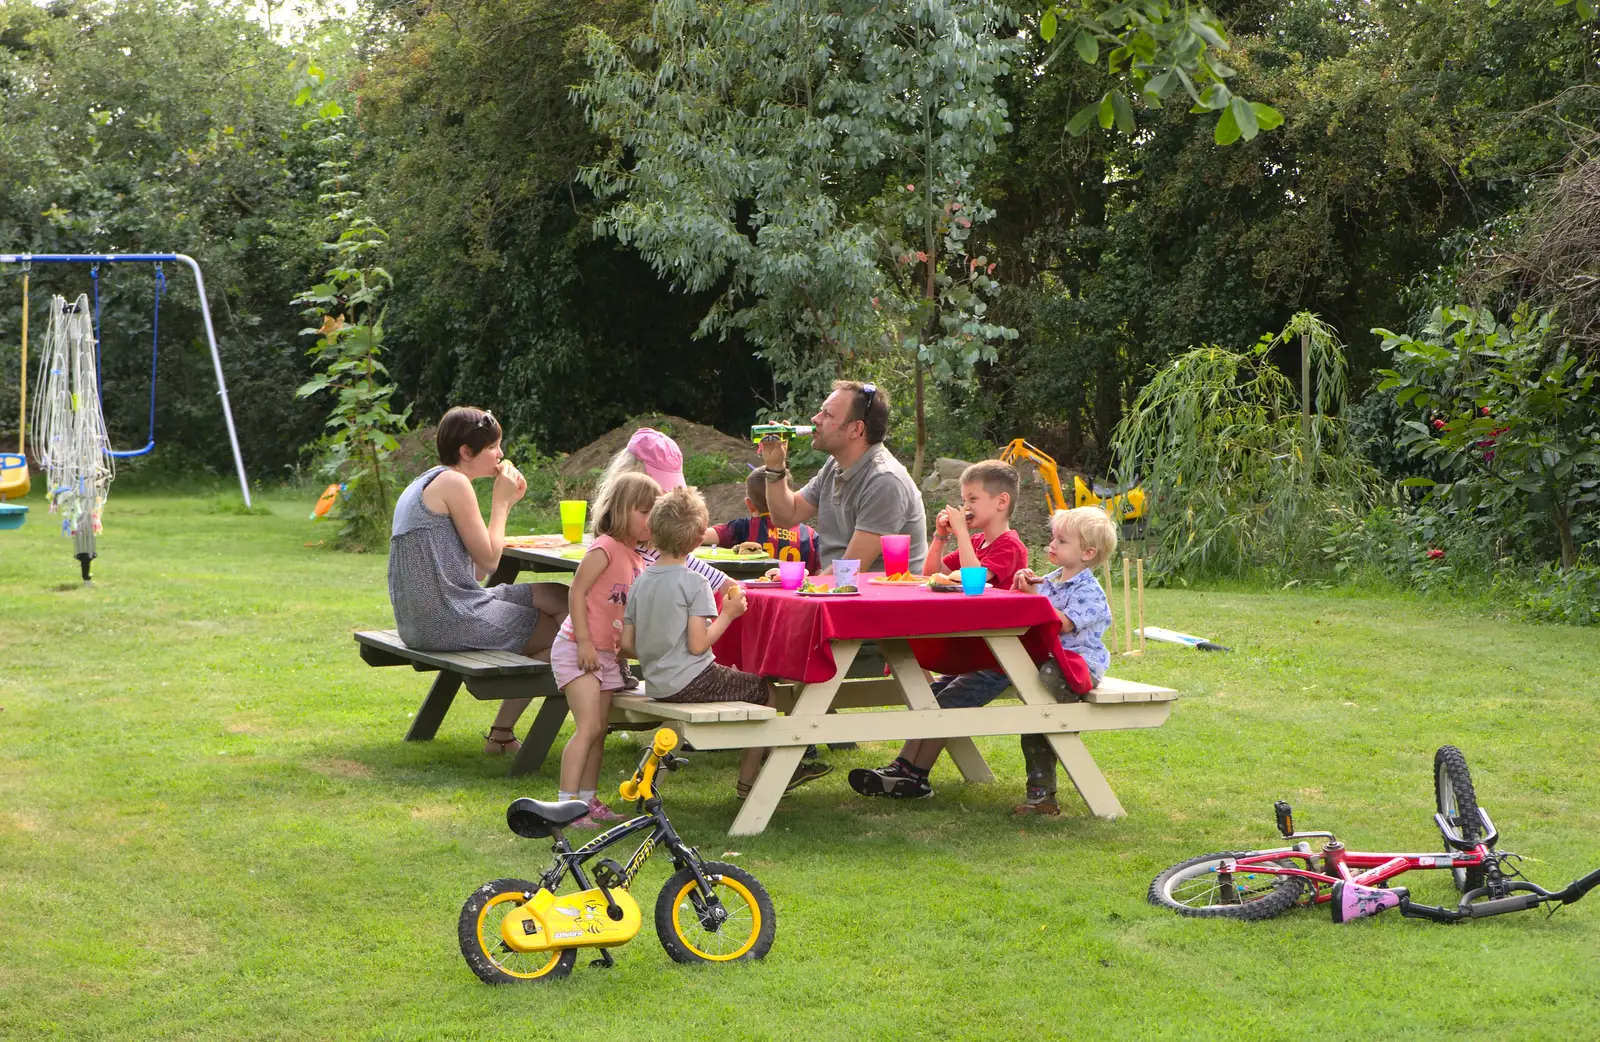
(974, 580)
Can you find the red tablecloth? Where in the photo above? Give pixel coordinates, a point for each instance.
(786, 635)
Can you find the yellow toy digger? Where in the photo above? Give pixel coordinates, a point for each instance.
(1124, 504)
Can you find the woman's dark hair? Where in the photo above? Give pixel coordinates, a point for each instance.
(465, 426)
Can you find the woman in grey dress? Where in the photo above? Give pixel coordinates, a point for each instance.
(441, 551)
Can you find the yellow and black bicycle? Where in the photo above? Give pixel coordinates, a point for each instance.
(516, 930)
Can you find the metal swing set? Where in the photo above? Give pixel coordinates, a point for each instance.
(69, 435)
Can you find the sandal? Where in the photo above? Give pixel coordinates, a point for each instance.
(499, 746)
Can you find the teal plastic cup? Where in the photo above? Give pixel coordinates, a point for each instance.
(974, 580)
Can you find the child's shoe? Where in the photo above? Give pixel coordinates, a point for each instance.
(1044, 806)
(893, 781)
(600, 812)
(808, 771)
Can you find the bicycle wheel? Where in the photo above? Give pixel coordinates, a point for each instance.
(686, 930)
(1456, 800)
(1193, 887)
(488, 954)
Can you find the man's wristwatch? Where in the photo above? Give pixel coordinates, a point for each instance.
(776, 475)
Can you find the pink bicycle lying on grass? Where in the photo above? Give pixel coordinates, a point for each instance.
(1259, 884)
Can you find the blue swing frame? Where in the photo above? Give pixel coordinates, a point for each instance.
(96, 259)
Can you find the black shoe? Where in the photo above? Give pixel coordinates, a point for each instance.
(889, 781)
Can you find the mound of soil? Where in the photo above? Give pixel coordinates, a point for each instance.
(695, 439)
(724, 500)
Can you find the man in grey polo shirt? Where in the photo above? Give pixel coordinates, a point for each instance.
(861, 494)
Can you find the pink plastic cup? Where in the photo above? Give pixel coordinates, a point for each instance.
(792, 574)
(896, 554)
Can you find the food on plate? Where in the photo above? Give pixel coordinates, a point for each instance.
(846, 589)
(903, 577)
(772, 575)
(750, 548)
(813, 586)
(941, 579)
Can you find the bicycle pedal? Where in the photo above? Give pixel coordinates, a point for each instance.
(605, 961)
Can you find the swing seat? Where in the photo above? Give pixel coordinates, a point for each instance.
(12, 515)
(14, 480)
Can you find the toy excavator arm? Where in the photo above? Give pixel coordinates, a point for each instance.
(1021, 450)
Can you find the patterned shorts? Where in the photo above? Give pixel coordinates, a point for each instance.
(720, 684)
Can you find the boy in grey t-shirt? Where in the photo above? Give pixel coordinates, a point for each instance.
(671, 622)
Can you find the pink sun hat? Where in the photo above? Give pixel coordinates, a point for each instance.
(662, 458)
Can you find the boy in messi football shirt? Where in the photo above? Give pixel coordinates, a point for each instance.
(786, 544)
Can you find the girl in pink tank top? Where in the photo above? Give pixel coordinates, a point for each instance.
(584, 656)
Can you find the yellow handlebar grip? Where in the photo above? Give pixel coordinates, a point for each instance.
(666, 741)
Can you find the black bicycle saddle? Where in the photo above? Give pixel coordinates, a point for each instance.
(533, 819)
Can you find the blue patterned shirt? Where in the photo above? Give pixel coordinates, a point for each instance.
(1081, 600)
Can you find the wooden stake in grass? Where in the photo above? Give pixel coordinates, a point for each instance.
(1140, 580)
(1127, 609)
(1111, 606)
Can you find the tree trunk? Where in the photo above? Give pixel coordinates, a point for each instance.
(922, 430)
(1569, 551)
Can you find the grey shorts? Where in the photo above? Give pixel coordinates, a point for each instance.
(720, 684)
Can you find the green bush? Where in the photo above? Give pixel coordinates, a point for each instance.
(1569, 595)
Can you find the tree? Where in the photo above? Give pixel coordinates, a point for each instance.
(1156, 49)
(1240, 471)
(815, 162)
(470, 145)
(350, 334)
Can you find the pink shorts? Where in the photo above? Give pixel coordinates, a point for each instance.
(564, 665)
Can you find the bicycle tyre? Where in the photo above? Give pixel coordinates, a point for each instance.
(746, 934)
(1454, 797)
(479, 933)
(1276, 894)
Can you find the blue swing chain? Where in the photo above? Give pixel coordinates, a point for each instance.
(155, 347)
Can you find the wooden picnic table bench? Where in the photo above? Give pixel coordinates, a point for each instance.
(488, 676)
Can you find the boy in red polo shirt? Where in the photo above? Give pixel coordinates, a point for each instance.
(981, 527)
(786, 544)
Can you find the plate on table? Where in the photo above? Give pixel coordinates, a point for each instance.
(717, 553)
(829, 593)
(884, 580)
(538, 542)
(941, 588)
(762, 584)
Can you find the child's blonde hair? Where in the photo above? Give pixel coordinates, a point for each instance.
(994, 477)
(678, 521)
(1091, 525)
(619, 498)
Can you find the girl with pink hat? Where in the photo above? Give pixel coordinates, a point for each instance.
(656, 455)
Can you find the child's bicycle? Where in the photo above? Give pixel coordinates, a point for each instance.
(516, 930)
(1259, 884)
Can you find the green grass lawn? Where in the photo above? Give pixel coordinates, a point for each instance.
(209, 828)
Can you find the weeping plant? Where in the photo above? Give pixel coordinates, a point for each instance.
(1241, 471)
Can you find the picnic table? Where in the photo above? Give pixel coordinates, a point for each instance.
(564, 557)
(814, 640)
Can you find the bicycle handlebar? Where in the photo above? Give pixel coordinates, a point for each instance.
(642, 785)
